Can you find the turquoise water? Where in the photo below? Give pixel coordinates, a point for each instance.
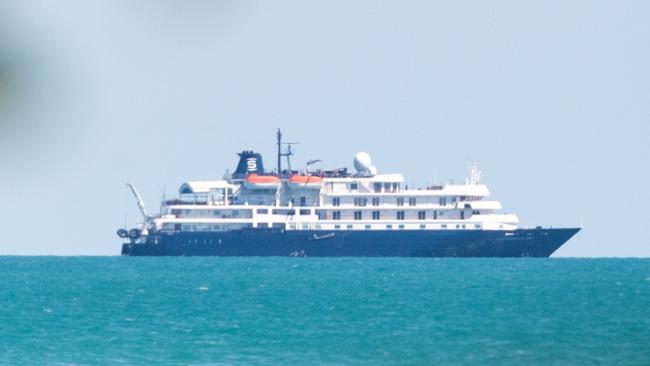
(298, 311)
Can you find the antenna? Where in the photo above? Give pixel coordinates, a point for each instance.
(474, 174)
(288, 151)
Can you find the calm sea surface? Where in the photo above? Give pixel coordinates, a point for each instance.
(304, 311)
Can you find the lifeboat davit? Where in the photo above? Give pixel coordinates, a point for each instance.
(254, 181)
(305, 181)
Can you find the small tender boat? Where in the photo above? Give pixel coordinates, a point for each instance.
(305, 181)
(255, 181)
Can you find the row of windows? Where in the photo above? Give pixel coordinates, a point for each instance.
(400, 215)
(203, 227)
(388, 187)
(358, 215)
(401, 226)
(412, 201)
(282, 211)
(225, 214)
(208, 227)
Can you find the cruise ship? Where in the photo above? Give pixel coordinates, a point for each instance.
(332, 213)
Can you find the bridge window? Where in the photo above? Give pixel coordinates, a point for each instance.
(375, 215)
(377, 187)
(442, 201)
(367, 227)
(354, 186)
(336, 215)
(412, 201)
(336, 201)
(357, 215)
(400, 215)
(400, 201)
(375, 201)
(422, 215)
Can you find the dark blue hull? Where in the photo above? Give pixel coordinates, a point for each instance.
(395, 243)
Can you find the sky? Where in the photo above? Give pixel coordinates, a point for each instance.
(551, 98)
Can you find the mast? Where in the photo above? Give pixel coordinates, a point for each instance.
(279, 134)
(286, 152)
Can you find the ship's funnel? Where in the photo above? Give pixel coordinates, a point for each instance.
(249, 162)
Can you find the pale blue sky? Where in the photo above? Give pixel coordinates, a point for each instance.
(551, 98)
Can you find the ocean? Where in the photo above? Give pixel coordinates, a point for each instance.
(312, 311)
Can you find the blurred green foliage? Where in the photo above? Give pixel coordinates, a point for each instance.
(4, 95)
(3, 86)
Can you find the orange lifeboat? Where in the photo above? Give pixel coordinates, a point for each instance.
(305, 181)
(254, 181)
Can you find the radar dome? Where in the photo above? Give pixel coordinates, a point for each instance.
(362, 162)
(372, 170)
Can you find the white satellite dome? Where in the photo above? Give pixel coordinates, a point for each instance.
(372, 170)
(362, 162)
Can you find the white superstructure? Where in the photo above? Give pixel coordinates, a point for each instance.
(324, 201)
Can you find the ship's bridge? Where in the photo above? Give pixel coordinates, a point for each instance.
(203, 192)
(197, 187)
(380, 183)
